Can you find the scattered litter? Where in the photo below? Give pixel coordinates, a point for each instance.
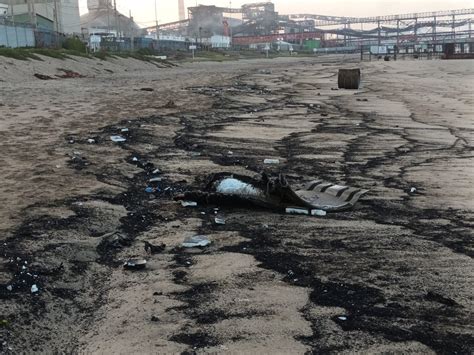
(69, 74)
(219, 220)
(195, 154)
(320, 213)
(156, 179)
(188, 204)
(170, 104)
(149, 190)
(123, 130)
(10, 288)
(349, 79)
(275, 193)
(265, 71)
(134, 159)
(230, 153)
(118, 139)
(135, 264)
(271, 161)
(44, 77)
(196, 242)
(343, 318)
(297, 211)
(91, 141)
(413, 190)
(156, 171)
(147, 89)
(34, 289)
(365, 100)
(154, 249)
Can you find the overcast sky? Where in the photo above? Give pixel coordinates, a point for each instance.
(143, 11)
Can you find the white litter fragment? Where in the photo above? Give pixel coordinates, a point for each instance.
(10, 288)
(271, 161)
(118, 139)
(196, 241)
(413, 190)
(156, 171)
(342, 318)
(188, 204)
(91, 141)
(135, 159)
(156, 179)
(290, 210)
(124, 130)
(34, 289)
(233, 186)
(320, 213)
(219, 220)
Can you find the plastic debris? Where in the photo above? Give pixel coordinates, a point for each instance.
(196, 242)
(118, 139)
(91, 141)
(156, 179)
(34, 289)
(271, 161)
(320, 213)
(134, 159)
(343, 318)
(123, 130)
(156, 171)
(10, 288)
(188, 204)
(154, 249)
(413, 190)
(135, 264)
(291, 210)
(219, 220)
(149, 190)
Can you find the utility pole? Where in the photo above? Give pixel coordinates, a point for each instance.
(434, 29)
(116, 20)
(454, 26)
(379, 33)
(398, 33)
(56, 23)
(12, 13)
(156, 22)
(132, 39)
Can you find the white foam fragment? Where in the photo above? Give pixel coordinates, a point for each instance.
(231, 186)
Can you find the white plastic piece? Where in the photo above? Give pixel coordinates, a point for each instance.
(156, 179)
(342, 318)
(91, 141)
(297, 211)
(271, 161)
(34, 289)
(413, 190)
(10, 288)
(219, 220)
(233, 186)
(118, 139)
(188, 204)
(124, 130)
(196, 241)
(320, 213)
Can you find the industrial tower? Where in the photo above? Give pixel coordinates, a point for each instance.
(182, 15)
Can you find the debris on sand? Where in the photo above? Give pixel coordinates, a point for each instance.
(219, 220)
(197, 241)
(43, 77)
(147, 89)
(154, 249)
(118, 139)
(271, 161)
(69, 74)
(34, 289)
(170, 104)
(349, 79)
(188, 204)
(135, 264)
(275, 193)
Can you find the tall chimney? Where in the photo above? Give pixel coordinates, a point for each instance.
(182, 15)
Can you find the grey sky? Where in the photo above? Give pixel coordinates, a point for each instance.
(144, 10)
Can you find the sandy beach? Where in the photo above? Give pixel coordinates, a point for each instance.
(393, 275)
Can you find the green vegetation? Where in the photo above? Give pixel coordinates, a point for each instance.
(75, 44)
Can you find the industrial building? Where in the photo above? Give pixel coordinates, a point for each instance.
(260, 24)
(55, 15)
(104, 19)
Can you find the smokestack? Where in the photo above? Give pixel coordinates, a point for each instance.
(182, 15)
